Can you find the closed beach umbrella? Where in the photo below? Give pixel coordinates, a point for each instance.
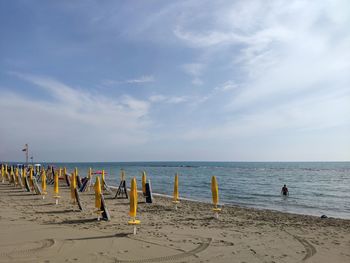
(89, 178)
(59, 173)
(176, 188)
(144, 183)
(55, 187)
(6, 173)
(73, 185)
(215, 191)
(12, 176)
(24, 175)
(2, 173)
(98, 193)
(90, 173)
(43, 181)
(31, 177)
(133, 205)
(16, 176)
(103, 178)
(133, 198)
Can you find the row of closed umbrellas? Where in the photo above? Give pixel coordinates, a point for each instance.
(14, 177)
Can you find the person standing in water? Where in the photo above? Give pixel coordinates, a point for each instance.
(285, 191)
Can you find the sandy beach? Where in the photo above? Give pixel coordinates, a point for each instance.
(37, 230)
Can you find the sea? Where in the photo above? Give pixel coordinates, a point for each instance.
(315, 188)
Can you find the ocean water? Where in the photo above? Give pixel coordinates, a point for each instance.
(316, 188)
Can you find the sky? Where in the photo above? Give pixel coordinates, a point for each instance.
(165, 80)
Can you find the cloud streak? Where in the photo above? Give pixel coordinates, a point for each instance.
(141, 80)
(75, 118)
(251, 77)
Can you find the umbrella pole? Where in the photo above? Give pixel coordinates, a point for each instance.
(135, 230)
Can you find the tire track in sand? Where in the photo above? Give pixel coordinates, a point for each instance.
(204, 245)
(17, 251)
(310, 249)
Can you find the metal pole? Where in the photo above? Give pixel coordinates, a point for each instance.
(26, 147)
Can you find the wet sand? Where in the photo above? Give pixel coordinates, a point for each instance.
(37, 230)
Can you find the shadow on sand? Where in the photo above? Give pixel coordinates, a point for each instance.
(119, 235)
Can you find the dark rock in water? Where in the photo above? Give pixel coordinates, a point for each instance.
(324, 216)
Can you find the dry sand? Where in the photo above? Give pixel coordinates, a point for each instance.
(36, 230)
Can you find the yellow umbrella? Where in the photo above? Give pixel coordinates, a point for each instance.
(144, 183)
(2, 173)
(43, 180)
(73, 186)
(98, 197)
(16, 176)
(102, 180)
(98, 193)
(55, 187)
(59, 173)
(31, 178)
(89, 173)
(24, 175)
(43, 183)
(215, 193)
(90, 178)
(176, 191)
(12, 176)
(133, 205)
(133, 198)
(176, 188)
(6, 173)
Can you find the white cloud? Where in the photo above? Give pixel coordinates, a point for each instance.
(283, 51)
(194, 70)
(227, 86)
(207, 39)
(272, 69)
(168, 99)
(72, 120)
(143, 79)
(140, 80)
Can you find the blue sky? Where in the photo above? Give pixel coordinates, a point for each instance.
(175, 80)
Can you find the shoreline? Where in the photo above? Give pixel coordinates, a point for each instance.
(223, 205)
(264, 194)
(37, 230)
